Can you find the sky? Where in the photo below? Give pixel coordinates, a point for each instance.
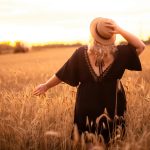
(41, 21)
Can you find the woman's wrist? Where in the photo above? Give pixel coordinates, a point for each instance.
(46, 86)
(120, 30)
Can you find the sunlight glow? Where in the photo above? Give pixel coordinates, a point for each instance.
(39, 21)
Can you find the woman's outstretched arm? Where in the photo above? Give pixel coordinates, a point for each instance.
(42, 88)
(131, 38)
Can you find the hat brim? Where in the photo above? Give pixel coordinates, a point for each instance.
(98, 38)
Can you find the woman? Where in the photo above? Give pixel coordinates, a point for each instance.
(95, 69)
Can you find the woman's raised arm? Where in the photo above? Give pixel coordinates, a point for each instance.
(131, 38)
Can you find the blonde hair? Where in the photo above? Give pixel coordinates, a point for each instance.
(95, 47)
(100, 50)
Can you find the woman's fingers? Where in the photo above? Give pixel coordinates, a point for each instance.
(113, 32)
(114, 28)
(37, 92)
(41, 89)
(109, 25)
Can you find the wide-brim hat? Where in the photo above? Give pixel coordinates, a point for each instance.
(101, 32)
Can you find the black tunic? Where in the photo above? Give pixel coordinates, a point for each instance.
(95, 93)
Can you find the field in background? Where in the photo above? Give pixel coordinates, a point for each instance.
(37, 123)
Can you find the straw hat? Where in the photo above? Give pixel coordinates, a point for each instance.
(101, 32)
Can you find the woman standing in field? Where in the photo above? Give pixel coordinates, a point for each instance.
(96, 70)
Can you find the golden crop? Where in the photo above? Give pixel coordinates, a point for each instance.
(28, 122)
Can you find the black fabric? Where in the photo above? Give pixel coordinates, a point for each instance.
(68, 73)
(95, 93)
(130, 57)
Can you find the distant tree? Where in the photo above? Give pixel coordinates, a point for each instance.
(5, 47)
(20, 48)
(147, 41)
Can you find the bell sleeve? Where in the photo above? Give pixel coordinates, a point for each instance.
(68, 73)
(130, 57)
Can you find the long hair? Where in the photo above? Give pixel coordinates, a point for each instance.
(100, 50)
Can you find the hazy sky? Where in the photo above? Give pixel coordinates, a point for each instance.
(68, 20)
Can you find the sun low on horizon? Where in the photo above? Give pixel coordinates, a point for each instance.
(42, 21)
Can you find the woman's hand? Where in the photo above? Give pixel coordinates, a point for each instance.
(116, 29)
(40, 89)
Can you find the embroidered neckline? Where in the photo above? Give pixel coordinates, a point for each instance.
(103, 74)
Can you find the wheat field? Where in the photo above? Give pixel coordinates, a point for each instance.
(28, 122)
